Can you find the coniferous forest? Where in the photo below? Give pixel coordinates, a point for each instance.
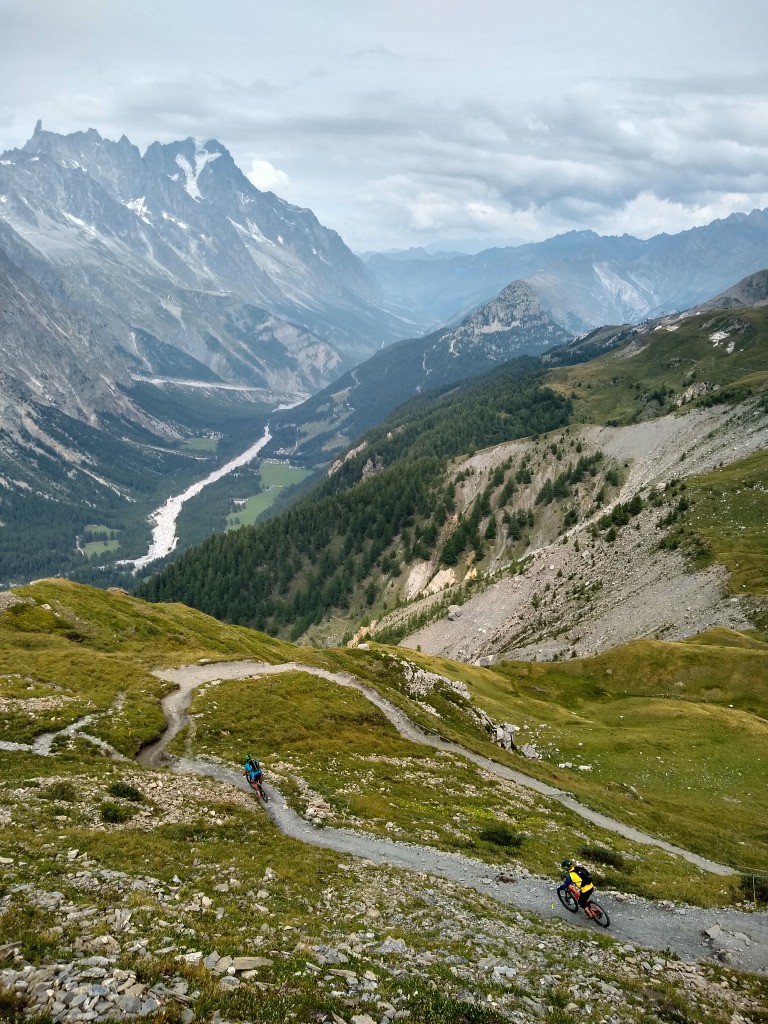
(290, 572)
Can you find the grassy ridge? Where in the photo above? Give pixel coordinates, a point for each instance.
(727, 522)
(681, 364)
(90, 651)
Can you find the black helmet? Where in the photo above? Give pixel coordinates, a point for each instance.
(566, 864)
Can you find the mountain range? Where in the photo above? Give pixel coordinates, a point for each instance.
(180, 259)
(156, 309)
(583, 279)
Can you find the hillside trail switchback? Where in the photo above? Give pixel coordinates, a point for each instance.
(641, 921)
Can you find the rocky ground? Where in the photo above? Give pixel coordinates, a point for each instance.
(385, 947)
(580, 595)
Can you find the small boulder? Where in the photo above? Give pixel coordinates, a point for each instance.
(250, 963)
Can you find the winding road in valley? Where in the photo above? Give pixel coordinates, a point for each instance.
(742, 936)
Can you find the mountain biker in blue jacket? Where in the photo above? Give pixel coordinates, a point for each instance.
(253, 771)
(581, 878)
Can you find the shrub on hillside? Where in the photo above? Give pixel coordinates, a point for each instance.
(752, 887)
(599, 856)
(115, 814)
(501, 835)
(13, 1006)
(126, 791)
(61, 790)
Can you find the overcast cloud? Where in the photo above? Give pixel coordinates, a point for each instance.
(404, 122)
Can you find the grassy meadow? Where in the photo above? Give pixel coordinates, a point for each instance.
(721, 355)
(275, 477)
(99, 547)
(675, 733)
(201, 444)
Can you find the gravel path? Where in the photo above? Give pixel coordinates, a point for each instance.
(739, 936)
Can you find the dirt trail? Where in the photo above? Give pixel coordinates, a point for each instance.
(641, 921)
(189, 677)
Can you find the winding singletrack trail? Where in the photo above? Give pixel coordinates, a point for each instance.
(640, 921)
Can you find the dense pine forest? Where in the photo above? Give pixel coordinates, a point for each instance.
(121, 472)
(42, 521)
(384, 506)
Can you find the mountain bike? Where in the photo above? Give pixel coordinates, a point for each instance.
(257, 787)
(570, 900)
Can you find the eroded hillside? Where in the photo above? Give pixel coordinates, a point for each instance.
(605, 579)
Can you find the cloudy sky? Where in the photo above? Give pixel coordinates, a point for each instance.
(408, 122)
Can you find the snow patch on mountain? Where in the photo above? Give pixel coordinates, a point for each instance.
(192, 173)
(140, 208)
(80, 223)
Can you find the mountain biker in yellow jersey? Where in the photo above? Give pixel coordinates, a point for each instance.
(580, 877)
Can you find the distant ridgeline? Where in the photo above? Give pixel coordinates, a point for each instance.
(389, 501)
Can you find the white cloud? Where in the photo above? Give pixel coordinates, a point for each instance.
(647, 214)
(400, 123)
(267, 177)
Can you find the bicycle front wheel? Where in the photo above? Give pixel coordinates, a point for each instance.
(566, 898)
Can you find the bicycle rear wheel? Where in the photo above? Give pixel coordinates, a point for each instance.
(598, 915)
(566, 898)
